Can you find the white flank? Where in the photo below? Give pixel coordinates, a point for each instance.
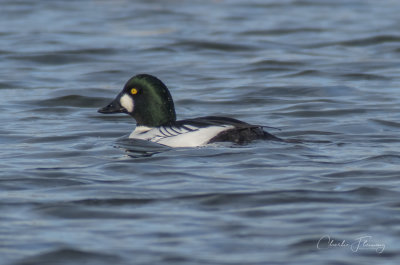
(178, 137)
(127, 102)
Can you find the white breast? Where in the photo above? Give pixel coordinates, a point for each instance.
(186, 136)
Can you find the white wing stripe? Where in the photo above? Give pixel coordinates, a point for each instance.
(187, 136)
(168, 131)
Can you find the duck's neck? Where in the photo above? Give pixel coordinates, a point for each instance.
(155, 119)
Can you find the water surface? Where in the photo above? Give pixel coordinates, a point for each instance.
(74, 190)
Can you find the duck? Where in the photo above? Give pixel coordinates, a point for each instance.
(148, 100)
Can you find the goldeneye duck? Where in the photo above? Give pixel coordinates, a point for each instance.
(149, 102)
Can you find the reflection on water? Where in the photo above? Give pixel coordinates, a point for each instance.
(76, 190)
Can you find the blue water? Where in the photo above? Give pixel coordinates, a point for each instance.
(75, 190)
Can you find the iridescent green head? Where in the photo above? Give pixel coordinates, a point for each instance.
(146, 99)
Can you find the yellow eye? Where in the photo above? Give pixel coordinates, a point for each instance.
(134, 91)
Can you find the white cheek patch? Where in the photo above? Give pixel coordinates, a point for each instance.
(127, 102)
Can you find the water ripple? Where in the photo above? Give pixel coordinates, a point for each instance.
(64, 56)
(374, 40)
(208, 45)
(59, 255)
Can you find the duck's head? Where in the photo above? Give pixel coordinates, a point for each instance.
(146, 99)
